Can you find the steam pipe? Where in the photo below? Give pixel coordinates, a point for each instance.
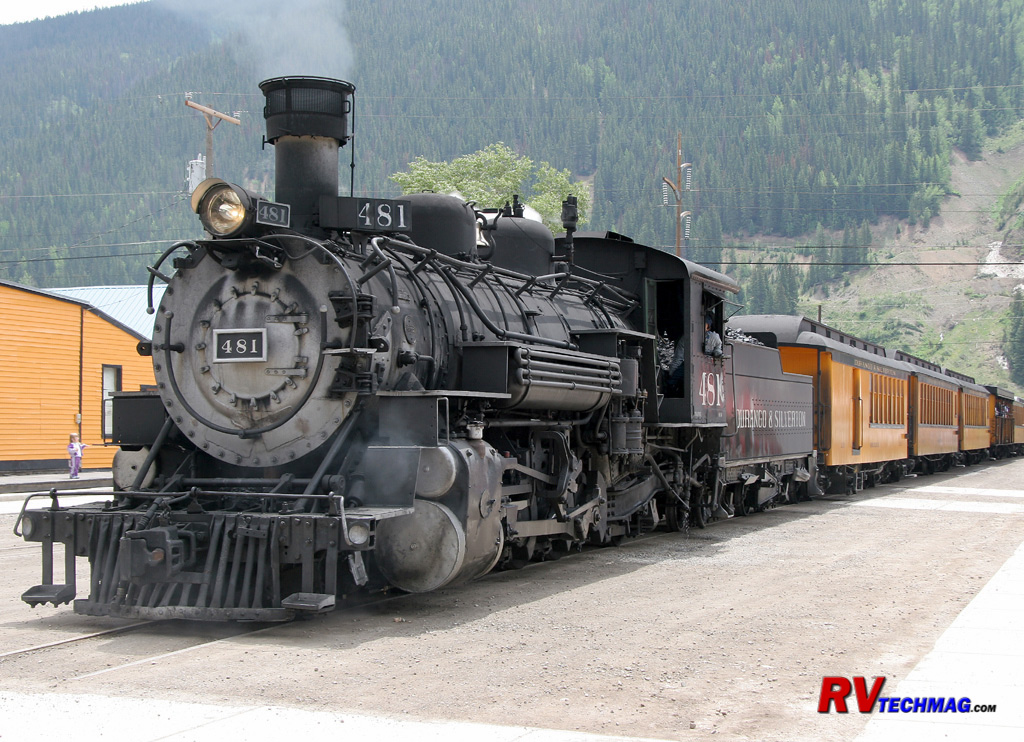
(328, 460)
(375, 244)
(431, 320)
(155, 273)
(620, 300)
(505, 334)
(153, 452)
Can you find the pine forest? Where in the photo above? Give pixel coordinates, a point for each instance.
(807, 126)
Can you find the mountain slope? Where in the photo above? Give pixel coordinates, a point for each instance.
(942, 305)
(794, 113)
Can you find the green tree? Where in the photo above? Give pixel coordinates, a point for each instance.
(787, 289)
(491, 176)
(550, 188)
(1013, 342)
(757, 294)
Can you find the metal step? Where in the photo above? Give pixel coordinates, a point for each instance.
(56, 594)
(312, 602)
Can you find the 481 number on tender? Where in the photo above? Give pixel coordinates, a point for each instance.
(712, 389)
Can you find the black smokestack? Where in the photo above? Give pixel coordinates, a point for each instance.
(307, 122)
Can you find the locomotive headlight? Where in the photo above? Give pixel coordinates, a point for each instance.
(225, 210)
(28, 528)
(358, 534)
(34, 525)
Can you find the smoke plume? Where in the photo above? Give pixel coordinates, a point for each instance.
(295, 38)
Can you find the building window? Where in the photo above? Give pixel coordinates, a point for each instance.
(111, 384)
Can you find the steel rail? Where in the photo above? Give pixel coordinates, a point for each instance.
(74, 639)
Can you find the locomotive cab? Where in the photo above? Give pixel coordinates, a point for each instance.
(677, 296)
(687, 317)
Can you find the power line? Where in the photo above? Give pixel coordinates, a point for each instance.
(688, 96)
(872, 246)
(81, 257)
(15, 197)
(829, 191)
(854, 265)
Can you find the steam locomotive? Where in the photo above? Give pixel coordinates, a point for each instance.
(364, 393)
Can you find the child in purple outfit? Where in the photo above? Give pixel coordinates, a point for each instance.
(75, 447)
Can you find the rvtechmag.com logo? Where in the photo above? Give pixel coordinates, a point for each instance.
(835, 691)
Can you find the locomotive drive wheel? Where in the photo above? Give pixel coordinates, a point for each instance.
(746, 502)
(675, 517)
(700, 506)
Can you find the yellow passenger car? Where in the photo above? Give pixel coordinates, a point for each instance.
(934, 431)
(974, 403)
(1018, 425)
(1003, 428)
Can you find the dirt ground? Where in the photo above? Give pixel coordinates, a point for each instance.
(726, 631)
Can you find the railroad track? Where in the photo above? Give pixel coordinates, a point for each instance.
(12, 549)
(228, 631)
(191, 643)
(234, 631)
(75, 639)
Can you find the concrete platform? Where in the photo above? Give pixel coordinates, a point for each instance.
(978, 657)
(150, 720)
(14, 484)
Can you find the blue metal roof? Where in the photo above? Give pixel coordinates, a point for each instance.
(124, 304)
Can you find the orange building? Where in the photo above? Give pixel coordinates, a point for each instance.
(60, 358)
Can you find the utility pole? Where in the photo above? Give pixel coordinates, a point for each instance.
(677, 189)
(212, 119)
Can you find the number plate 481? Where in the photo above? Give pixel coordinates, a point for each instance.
(373, 215)
(273, 214)
(235, 346)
